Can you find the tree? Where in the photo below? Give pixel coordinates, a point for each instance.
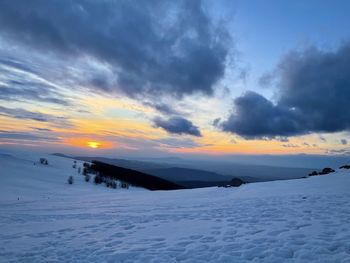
(236, 182)
(44, 161)
(87, 178)
(314, 173)
(70, 179)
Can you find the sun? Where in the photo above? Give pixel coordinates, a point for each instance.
(94, 145)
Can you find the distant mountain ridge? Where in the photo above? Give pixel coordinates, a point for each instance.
(168, 172)
(180, 170)
(186, 174)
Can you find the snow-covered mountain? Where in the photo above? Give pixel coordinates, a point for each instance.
(44, 219)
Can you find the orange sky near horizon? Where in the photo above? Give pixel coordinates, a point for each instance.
(114, 123)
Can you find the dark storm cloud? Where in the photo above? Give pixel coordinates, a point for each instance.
(153, 47)
(177, 125)
(19, 113)
(257, 117)
(313, 96)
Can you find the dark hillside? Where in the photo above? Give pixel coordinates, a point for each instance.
(134, 177)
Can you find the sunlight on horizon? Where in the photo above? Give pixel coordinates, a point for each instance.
(94, 145)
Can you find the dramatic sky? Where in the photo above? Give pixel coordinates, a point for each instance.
(152, 78)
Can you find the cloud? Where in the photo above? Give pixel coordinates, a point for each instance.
(343, 141)
(323, 138)
(179, 143)
(16, 135)
(345, 151)
(312, 97)
(152, 47)
(41, 129)
(19, 113)
(177, 125)
(257, 117)
(20, 82)
(162, 108)
(290, 145)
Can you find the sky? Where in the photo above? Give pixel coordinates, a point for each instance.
(186, 78)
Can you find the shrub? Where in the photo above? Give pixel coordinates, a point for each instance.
(125, 185)
(108, 182)
(114, 185)
(326, 171)
(236, 182)
(87, 178)
(70, 179)
(314, 173)
(44, 161)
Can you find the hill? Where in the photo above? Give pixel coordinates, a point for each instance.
(44, 219)
(133, 177)
(246, 172)
(177, 174)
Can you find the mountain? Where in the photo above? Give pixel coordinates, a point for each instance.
(247, 172)
(185, 174)
(206, 168)
(192, 178)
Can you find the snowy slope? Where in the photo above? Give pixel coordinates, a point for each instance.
(305, 220)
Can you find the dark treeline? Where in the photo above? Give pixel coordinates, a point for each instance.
(133, 177)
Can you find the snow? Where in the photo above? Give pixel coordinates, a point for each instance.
(305, 220)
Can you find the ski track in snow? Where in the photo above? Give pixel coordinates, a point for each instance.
(305, 220)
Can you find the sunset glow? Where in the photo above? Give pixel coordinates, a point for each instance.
(182, 95)
(94, 145)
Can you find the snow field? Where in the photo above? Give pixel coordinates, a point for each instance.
(305, 220)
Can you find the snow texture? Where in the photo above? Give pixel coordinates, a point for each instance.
(305, 220)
